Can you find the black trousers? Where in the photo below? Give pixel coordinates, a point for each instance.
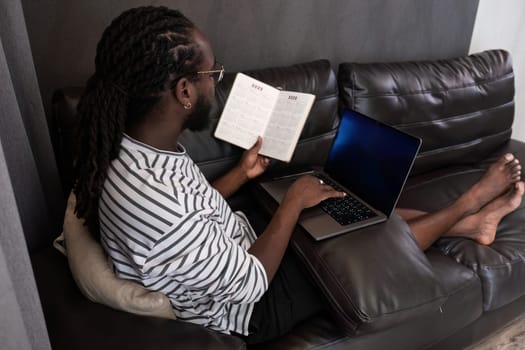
(290, 299)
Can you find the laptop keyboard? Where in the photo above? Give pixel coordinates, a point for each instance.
(346, 210)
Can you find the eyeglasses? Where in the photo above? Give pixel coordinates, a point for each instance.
(217, 74)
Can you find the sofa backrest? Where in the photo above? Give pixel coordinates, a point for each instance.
(212, 155)
(462, 108)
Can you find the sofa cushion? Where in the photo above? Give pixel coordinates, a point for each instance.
(462, 108)
(501, 265)
(373, 278)
(214, 156)
(462, 307)
(95, 278)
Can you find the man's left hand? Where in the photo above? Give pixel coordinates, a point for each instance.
(253, 164)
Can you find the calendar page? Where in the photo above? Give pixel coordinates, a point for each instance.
(254, 109)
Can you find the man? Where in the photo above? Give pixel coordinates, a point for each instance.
(161, 222)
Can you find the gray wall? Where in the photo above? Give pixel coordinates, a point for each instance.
(259, 33)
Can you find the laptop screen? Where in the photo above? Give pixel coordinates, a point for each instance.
(371, 159)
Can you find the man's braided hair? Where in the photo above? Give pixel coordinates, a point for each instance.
(143, 52)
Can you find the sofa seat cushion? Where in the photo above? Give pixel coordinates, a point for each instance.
(501, 265)
(373, 278)
(74, 322)
(462, 307)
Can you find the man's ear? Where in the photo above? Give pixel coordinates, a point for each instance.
(185, 91)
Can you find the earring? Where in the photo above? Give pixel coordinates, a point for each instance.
(187, 105)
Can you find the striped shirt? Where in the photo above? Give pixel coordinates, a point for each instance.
(164, 226)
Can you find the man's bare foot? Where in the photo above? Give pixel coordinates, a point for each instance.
(483, 225)
(496, 180)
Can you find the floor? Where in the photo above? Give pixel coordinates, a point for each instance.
(511, 337)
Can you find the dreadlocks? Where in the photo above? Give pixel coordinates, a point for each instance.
(142, 53)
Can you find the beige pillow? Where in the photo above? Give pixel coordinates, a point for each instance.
(95, 278)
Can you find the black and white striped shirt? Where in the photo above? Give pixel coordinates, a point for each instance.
(165, 227)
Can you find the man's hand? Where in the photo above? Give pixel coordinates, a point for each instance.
(252, 164)
(305, 192)
(308, 191)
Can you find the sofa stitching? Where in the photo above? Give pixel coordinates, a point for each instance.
(415, 186)
(454, 117)
(461, 145)
(477, 266)
(353, 78)
(433, 91)
(326, 97)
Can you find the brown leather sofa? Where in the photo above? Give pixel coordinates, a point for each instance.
(382, 291)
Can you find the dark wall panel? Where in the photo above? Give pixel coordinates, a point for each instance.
(259, 33)
(28, 150)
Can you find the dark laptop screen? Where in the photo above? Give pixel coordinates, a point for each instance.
(371, 159)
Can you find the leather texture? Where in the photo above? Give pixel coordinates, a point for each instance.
(463, 108)
(365, 294)
(394, 295)
(501, 265)
(463, 307)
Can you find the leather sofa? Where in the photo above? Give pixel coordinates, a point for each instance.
(382, 291)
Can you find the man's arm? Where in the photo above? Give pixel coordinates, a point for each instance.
(250, 166)
(269, 248)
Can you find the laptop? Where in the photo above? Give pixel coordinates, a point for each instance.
(370, 161)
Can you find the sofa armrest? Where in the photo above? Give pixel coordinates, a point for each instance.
(373, 278)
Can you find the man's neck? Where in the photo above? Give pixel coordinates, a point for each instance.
(157, 136)
(161, 127)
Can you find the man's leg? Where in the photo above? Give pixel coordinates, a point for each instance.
(292, 297)
(496, 194)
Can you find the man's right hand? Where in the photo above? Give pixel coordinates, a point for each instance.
(308, 191)
(305, 192)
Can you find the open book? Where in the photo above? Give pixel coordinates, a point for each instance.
(256, 109)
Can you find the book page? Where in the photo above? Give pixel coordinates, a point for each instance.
(246, 112)
(286, 123)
